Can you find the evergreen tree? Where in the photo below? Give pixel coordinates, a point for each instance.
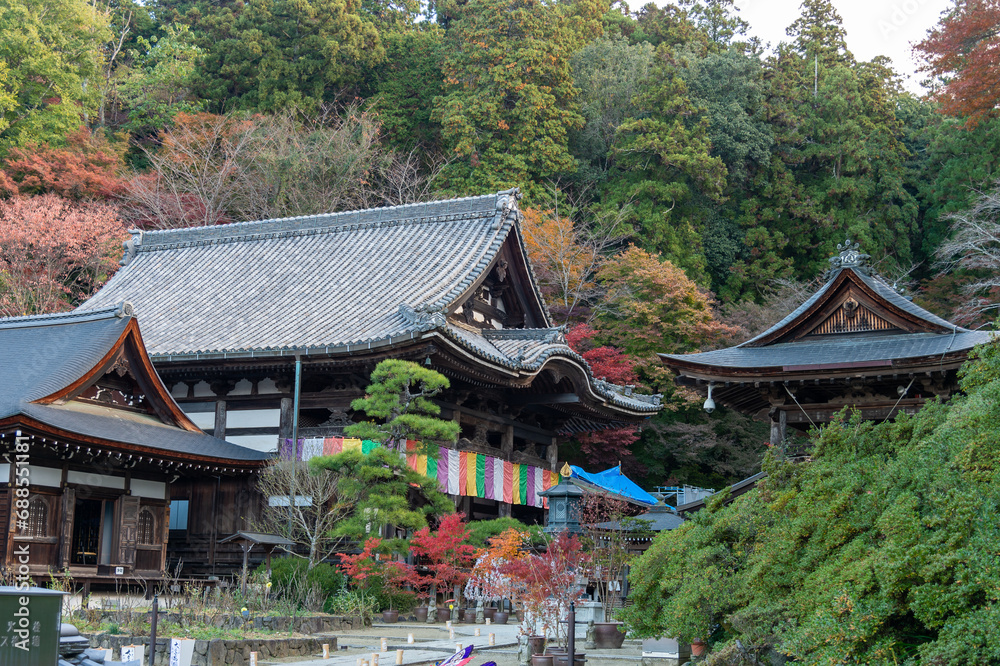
(509, 97)
(269, 55)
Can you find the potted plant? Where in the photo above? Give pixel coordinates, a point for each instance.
(422, 585)
(608, 530)
(370, 570)
(445, 556)
(487, 582)
(548, 584)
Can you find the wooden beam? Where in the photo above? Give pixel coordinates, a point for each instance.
(544, 399)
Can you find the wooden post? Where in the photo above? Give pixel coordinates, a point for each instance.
(507, 443)
(220, 419)
(285, 419)
(246, 546)
(779, 425)
(553, 454)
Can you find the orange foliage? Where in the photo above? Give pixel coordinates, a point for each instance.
(504, 548)
(87, 168)
(55, 252)
(964, 49)
(563, 258)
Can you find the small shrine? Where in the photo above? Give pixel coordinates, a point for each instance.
(857, 342)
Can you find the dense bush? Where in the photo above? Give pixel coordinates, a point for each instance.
(480, 531)
(882, 549)
(288, 573)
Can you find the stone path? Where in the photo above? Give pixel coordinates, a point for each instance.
(425, 650)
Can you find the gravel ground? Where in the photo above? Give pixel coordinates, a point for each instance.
(361, 644)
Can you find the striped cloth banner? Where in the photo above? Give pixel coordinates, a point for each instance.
(455, 480)
(464, 473)
(498, 479)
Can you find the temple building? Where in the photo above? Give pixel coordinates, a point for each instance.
(103, 477)
(226, 311)
(856, 342)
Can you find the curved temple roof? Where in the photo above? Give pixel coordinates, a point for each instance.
(46, 359)
(786, 347)
(339, 283)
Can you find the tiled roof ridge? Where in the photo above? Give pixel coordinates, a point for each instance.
(551, 333)
(121, 310)
(616, 393)
(492, 206)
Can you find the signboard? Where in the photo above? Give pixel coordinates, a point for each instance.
(181, 651)
(29, 626)
(134, 653)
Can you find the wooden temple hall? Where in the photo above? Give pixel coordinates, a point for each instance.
(95, 453)
(856, 342)
(227, 309)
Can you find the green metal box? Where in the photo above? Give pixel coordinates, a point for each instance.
(29, 626)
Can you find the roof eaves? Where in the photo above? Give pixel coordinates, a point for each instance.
(121, 311)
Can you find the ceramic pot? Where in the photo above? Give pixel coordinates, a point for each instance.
(698, 647)
(608, 635)
(444, 614)
(390, 616)
(488, 613)
(500, 618)
(562, 659)
(536, 644)
(469, 615)
(420, 612)
(541, 660)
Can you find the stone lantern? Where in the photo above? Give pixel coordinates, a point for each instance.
(564, 504)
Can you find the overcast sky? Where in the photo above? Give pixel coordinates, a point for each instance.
(874, 27)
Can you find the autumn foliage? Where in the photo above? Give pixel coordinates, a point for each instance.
(368, 567)
(550, 582)
(446, 556)
(964, 50)
(55, 252)
(86, 168)
(487, 579)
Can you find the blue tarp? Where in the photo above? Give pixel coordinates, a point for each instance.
(614, 481)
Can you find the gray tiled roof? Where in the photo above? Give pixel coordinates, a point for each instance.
(42, 355)
(856, 349)
(850, 348)
(878, 285)
(307, 282)
(330, 282)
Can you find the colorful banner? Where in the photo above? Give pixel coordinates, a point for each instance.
(465, 473)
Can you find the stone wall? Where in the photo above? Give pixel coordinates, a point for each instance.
(222, 652)
(308, 624)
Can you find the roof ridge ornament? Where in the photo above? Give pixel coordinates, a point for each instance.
(424, 314)
(850, 256)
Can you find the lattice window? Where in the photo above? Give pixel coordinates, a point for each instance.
(146, 528)
(37, 524)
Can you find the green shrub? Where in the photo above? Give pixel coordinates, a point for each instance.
(480, 531)
(287, 572)
(352, 603)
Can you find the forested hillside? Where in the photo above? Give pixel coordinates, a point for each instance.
(682, 185)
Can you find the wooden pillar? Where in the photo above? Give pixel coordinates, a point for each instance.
(507, 447)
(285, 419)
(552, 454)
(220, 419)
(779, 423)
(507, 443)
